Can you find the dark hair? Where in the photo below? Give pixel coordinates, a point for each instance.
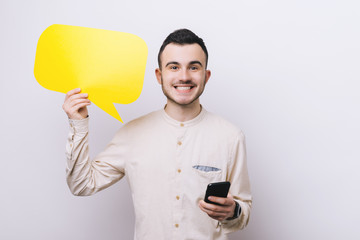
(182, 37)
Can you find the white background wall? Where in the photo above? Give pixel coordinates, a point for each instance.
(286, 72)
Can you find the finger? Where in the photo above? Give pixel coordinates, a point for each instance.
(71, 103)
(220, 200)
(77, 96)
(73, 107)
(214, 208)
(72, 92)
(81, 105)
(75, 112)
(78, 106)
(213, 214)
(72, 100)
(75, 102)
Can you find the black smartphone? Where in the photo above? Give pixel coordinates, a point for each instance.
(217, 189)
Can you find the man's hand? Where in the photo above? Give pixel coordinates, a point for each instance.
(220, 213)
(75, 104)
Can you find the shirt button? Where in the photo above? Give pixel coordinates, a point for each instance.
(176, 225)
(179, 143)
(177, 197)
(71, 145)
(181, 124)
(179, 170)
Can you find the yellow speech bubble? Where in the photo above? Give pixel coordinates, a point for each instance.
(108, 65)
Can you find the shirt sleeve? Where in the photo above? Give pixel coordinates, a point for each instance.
(240, 185)
(84, 176)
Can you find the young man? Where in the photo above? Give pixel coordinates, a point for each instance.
(169, 156)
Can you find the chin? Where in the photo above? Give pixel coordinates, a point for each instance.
(184, 102)
(181, 101)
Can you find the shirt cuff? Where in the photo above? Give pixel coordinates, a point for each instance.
(80, 126)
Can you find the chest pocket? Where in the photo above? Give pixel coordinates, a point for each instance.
(207, 174)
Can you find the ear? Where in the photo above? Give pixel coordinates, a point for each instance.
(158, 75)
(207, 75)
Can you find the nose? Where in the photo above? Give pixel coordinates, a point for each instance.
(184, 75)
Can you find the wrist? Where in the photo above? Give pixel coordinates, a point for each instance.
(237, 211)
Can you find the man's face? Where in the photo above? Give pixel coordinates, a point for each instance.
(183, 73)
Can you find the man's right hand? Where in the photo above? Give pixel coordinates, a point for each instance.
(75, 104)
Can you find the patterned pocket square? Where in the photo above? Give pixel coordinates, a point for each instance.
(206, 168)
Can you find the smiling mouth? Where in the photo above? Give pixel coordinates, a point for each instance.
(183, 88)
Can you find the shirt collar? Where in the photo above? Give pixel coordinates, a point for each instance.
(188, 123)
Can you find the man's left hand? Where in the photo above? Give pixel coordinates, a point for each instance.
(219, 212)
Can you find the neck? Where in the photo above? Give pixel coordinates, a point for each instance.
(183, 113)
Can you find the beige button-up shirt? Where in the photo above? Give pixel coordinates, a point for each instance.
(168, 165)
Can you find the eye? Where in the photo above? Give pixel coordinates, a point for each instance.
(193, 68)
(174, 67)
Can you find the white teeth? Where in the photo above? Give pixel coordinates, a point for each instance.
(183, 88)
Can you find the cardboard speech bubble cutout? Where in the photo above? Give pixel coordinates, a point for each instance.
(108, 65)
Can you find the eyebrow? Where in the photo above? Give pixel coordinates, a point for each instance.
(177, 63)
(196, 62)
(173, 62)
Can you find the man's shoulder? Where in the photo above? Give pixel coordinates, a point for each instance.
(222, 126)
(144, 121)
